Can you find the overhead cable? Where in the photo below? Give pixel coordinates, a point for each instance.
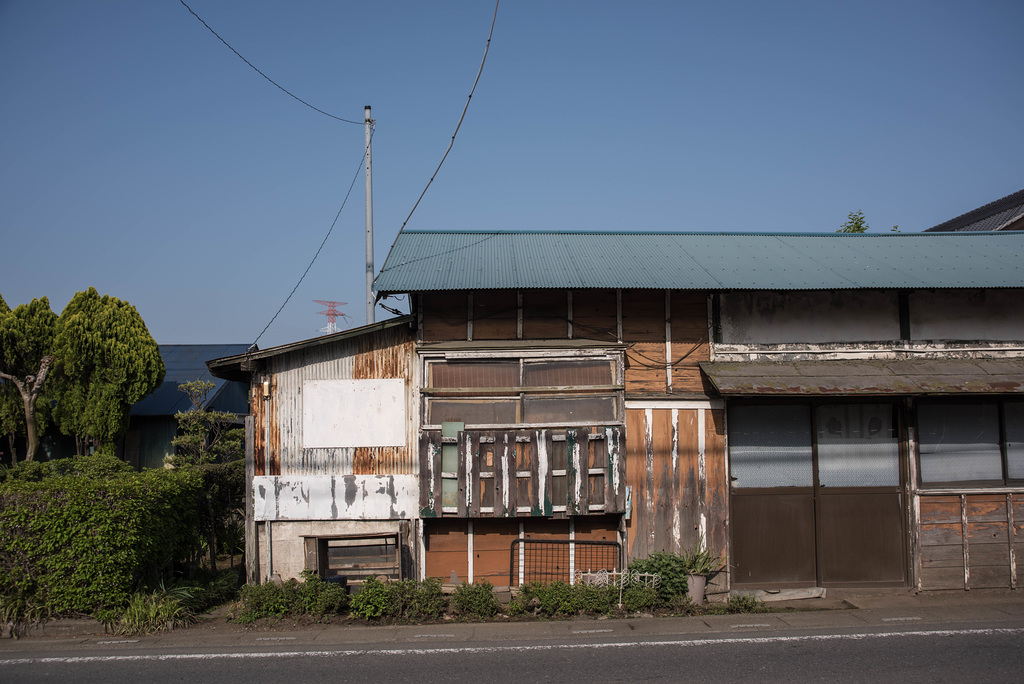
(366, 151)
(464, 109)
(282, 88)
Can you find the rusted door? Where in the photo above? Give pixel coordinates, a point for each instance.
(815, 495)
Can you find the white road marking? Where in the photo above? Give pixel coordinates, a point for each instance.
(590, 631)
(275, 638)
(119, 641)
(900, 619)
(427, 636)
(753, 624)
(500, 649)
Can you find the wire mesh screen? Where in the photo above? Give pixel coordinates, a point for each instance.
(557, 560)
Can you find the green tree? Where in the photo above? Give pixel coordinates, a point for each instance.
(855, 223)
(106, 361)
(206, 436)
(212, 441)
(26, 340)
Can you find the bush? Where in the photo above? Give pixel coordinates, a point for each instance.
(312, 596)
(372, 601)
(637, 598)
(559, 598)
(412, 600)
(76, 535)
(672, 570)
(475, 600)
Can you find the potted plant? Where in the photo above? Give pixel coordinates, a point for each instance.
(700, 564)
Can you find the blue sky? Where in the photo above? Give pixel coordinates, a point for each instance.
(140, 156)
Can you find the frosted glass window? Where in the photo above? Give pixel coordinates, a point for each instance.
(473, 411)
(959, 442)
(857, 446)
(770, 446)
(566, 409)
(1014, 414)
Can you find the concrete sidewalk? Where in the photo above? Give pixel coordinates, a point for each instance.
(838, 609)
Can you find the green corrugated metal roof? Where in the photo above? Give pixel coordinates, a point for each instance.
(436, 260)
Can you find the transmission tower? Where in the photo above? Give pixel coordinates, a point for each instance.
(332, 314)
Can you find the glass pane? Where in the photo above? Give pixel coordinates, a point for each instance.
(456, 374)
(1014, 413)
(472, 411)
(567, 373)
(569, 409)
(959, 442)
(449, 493)
(857, 446)
(770, 446)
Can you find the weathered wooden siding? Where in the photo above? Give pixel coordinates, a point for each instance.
(970, 541)
(512, 473)
(387, 353)
(677, 476)
(667, 332)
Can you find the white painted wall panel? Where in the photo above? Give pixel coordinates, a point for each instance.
(353, 413)
(342, 497)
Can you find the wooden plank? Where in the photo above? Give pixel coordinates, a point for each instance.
(502, 463)
(645, 368)
(717, 493)
(990, 554)
(689, 321)
(435, 458)
(941, 535)
(464, 490)
(948, 556)
(942, 578)
(576, 471)
(444, 316)
(986, 508)
(992, 532)
(663, 504)
(689, 502)
(544, 314)
(594, 315)
(473, 458)
(495, 314)
(636, 448)
(429, 480)
(989, 577)
(940, 510)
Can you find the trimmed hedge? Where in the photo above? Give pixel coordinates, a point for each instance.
(77, 535)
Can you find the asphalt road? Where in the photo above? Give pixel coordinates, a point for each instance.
(589, 652)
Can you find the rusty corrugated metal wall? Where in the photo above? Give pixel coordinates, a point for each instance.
(386, 353)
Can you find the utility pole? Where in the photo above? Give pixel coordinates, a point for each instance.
(369, 219)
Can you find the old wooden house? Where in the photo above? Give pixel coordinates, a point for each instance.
(820, 410)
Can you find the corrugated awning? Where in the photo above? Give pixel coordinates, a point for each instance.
(868, 377)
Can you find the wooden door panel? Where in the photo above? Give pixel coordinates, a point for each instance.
(861, 538)
(773, 539)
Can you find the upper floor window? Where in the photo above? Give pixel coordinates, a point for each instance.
(525, 391)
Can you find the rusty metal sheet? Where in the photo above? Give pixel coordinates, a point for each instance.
(877, 377)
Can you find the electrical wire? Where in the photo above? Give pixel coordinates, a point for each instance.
(279, 86)
(366, 151)
(451, 143)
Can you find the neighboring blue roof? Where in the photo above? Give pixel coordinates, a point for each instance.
(185, 363)
(998, 215)
(429, 260)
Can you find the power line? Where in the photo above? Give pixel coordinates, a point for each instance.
(282, 88)
(366, 151)
(464, 109)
